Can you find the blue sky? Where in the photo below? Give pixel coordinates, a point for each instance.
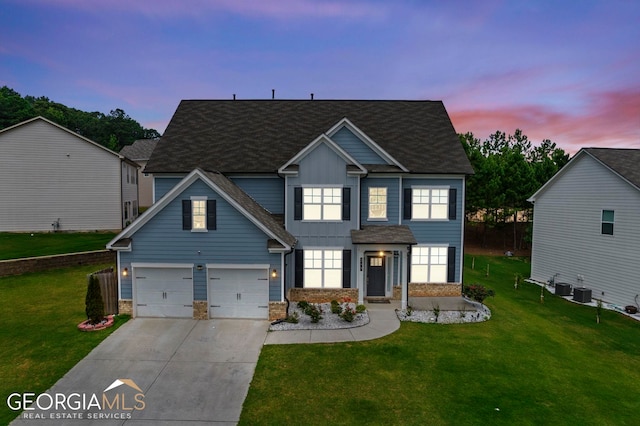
(568, 71)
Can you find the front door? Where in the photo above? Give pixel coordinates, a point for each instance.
(376, 273)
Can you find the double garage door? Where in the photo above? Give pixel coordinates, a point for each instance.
(239, 293)
(232, 292)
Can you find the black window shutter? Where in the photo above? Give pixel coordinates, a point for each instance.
(186, 214)
(346, 268)
(451, 265)
(211, 215)
(452, 203)
(299, 267)
(407, 204)
(297, 203)
(346, 203)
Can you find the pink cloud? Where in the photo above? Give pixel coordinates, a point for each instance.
(609, 119)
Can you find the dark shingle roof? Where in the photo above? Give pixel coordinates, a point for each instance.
(259, 136)
(251, 206)
(625, 162)
(383, 234)
(139, 150)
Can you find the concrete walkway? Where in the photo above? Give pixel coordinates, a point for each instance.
(382, 321)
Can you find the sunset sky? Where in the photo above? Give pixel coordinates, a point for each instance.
(568, 71)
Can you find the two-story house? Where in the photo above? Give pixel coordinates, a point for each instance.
(262, 201)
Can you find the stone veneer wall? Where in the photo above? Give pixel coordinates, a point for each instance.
(397, 292)
(200, 311)
(125, 307)
(322, 295)
(277, 310)
(434, 290)
(45, 263)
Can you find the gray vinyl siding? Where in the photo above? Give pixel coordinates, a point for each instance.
(47, 173)
(446, 231)
(268, 191)
(567, 238)
(235, 241)
(356, 148)
(393, 200)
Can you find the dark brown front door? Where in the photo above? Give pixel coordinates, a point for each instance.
(375, 276)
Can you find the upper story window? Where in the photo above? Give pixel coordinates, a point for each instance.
(607, 222)
(377, 203)
(199, 214)
(322, 203)
(430, 203)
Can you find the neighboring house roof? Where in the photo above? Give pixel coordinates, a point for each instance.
(139, 150)
(228, 190)
(623, 162)
(260, 136)
(383, 234)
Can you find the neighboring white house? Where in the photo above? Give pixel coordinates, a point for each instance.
(586, 225)
(140, 152)
(52, 179)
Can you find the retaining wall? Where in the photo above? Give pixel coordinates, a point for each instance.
(45, 263)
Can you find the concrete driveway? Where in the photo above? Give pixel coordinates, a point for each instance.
(171, 371)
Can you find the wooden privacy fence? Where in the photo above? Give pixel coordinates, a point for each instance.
(109, 289)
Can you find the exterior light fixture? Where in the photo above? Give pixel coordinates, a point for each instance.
(199, 267)
(274, 273)
(381, 253)
(125, 272)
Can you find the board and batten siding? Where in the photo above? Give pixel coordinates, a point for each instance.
(567, 238)
(322, 168)
(47, 173)
(235, 241)
(163, 184)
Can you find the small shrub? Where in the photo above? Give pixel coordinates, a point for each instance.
(360, 309)
(335, 307)
(314, 311)
(478, 292)
(303, 304)
(436, 311)
(293, 318)
(409, 310)
(348, 313)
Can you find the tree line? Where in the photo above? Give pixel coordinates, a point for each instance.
(508, 170)
(114, 130)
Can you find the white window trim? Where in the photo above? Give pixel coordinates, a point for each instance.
(323, 187)
(602, 222)
(430, 219)
(199, 198)
(386, 205)
(322, 269)
(429, 246)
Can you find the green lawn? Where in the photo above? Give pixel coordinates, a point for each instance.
(39, 341)
(17, 245)
(530, 364)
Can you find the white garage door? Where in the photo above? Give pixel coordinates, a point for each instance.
(239, 293)
(164, 292)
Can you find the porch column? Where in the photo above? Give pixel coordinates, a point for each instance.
(403, 279)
